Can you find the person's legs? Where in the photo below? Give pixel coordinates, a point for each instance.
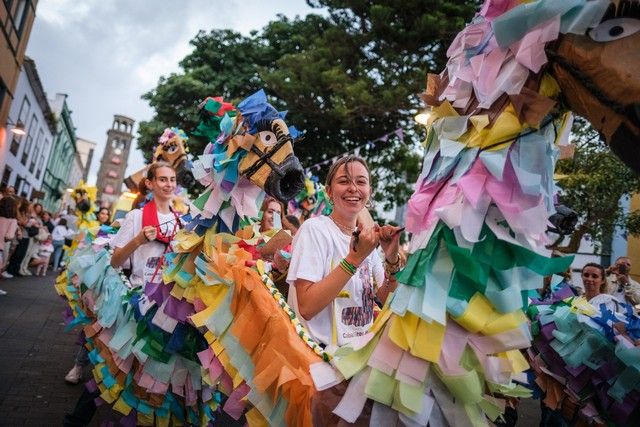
(17, 256)
(57, 253)
(84, 410)
(24, 265)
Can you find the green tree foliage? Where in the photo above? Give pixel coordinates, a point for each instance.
(345, 79)
(593, 182)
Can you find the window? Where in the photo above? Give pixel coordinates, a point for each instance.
(32, 166)
(24, 110)
(26, 190)
(19, 15)
(115, 160)
(18, 184)
(6, 176)
(108, 189)
(112, 174)
(22, 118)
(32, 131)
(15, 144)
(40, 164)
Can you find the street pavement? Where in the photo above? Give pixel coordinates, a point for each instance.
(36, 353)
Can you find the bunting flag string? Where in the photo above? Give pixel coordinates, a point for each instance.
(356, 150)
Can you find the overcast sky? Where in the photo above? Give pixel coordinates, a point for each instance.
(106, 53)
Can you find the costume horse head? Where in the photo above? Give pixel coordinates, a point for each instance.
(597, 72)
(172, 148)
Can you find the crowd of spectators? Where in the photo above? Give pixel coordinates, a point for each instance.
(31, 239)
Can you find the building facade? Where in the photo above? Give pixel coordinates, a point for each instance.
(23, 158)
(62, 158)
(16, 20)
(85, 149)
(114, 160)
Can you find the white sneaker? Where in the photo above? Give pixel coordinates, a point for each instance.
(26, 273)
(3, 292)
(6, 275)
(74, 376)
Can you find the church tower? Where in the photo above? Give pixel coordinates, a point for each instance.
(114, 160)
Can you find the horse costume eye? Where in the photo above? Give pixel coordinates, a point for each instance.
(614, 29)
(268, 138)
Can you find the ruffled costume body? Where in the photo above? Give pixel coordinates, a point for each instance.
(588, 369)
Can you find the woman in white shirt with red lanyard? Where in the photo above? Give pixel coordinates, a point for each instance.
(146, 233)
(335, 271)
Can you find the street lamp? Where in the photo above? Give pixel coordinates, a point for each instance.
(18, 128)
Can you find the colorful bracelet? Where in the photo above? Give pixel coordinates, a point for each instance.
(348, 268)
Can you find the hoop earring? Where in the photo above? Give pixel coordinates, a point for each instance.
(369, 204)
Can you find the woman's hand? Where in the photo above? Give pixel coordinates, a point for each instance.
(147, 234)
(390, 241)
(361, 246)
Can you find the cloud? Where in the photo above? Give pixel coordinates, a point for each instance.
(106, 54)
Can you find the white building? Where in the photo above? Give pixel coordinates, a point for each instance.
(85, 149)
(25, 157)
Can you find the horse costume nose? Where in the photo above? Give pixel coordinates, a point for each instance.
(285, 181)
(184, 177)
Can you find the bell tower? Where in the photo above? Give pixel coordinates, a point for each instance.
(114, 160)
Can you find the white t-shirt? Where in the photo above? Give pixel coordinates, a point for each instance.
(145, 259)
(318, 248)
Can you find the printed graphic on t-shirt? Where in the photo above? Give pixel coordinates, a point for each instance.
(152, 271)
(362, 315)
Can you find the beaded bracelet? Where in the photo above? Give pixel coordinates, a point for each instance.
(392, 269)
(348, 268)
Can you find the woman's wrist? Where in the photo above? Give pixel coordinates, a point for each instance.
(354, 260)
(393, 259)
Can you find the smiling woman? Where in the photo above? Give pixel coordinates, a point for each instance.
(146, 233)
(335, 271)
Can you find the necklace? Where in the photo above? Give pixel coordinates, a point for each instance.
(344, 228)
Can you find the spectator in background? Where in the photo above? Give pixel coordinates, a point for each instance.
(58, 235)
(40, 259)
(8, 228)
(34, 221)
(103, 216)
(23, 234)
(47, 222)
(620, 285)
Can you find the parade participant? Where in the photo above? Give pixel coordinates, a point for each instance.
(595, 286)
(271, 208)
(145, 233)
(335, 267)
(143, 238)
(620, 285)
(74, 376)
(103, 216)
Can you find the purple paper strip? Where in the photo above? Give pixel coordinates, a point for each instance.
(130, 420)
(547, 330)
(177, 309)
